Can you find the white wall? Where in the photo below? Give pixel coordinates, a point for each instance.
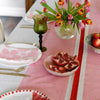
(12, 7)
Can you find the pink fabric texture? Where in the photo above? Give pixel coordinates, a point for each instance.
(55, 87)
(92, 73)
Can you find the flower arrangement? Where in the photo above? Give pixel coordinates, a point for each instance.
(72, 15)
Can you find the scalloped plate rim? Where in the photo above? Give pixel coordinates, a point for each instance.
(12, 93)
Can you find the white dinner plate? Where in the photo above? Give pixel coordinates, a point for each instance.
(19, 54)
(49, 61)
(24, 95)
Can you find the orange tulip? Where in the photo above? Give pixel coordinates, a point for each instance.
(87, 4)
(81, 11)
(58, 15)
(60, 22)
(61, 2)
(89, 22)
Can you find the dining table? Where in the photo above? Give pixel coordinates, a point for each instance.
(83, 84)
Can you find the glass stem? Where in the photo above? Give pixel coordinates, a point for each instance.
(40, 40)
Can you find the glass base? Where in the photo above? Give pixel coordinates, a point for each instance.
(67, 32)
(44, 49)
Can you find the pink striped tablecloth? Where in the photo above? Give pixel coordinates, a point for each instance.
(55, 87)
(85, 83)
(92, 69)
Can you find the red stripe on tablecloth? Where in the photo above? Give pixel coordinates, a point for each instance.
(77, 74)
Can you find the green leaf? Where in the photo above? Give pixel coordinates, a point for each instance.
(58, 8)
(71, 4)
(76, 10)
(64, 11)
(50, 16)
(80, 17)
(77, 27)
(40, 12)
(65, 14)
(72, 9)
(81, 6)
(49, 8)
(68, 6)
(76, 22)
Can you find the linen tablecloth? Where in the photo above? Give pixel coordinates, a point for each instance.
(57, 88)
(90, 87)
(83, 85)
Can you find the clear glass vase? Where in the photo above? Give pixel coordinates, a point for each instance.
(66, 31)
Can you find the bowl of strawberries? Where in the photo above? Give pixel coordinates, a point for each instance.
(61, 64)
(94, 41)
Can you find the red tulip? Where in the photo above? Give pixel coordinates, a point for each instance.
(78, 5)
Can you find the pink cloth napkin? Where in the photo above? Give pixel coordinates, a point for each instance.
(12, 53)
(11, 56)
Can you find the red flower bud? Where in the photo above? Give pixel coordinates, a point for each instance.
(78, 5)
(88, 22)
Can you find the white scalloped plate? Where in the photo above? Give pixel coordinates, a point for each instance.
(19, 54)
(24, 95)
(49, 61)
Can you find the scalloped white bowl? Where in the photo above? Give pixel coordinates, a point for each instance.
(89, 41)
